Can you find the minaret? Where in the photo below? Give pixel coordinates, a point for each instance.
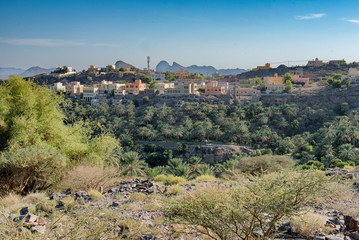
(148, 64)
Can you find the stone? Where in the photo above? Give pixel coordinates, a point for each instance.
(353, 225)
(24, 211)
(115, 204)
(23, 231)
(68, 191)
(41, 221)
(354, 235)
(39, 229)
(32, 219)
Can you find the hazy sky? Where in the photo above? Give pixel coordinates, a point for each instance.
(224, 34)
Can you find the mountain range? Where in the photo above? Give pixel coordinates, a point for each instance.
(164, 66)
(6, 72)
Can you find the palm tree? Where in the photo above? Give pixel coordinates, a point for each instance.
(177, 167)
(206, 169)
(132, 165)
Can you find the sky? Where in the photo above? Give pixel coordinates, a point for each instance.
(220, 33)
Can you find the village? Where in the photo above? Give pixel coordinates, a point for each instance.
(188, 86)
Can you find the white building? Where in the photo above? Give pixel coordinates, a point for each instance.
(90, 93)
(58, 87)
(158, 76)
(353, 75)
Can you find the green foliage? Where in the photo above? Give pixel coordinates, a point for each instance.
(287, 77)
(147, 79)
(170, 179)
(177, 167)
(288, 86)
(132, 165)
(312, 164)
(30, 169)
(242, 211)
(169, 76)
(264, 164)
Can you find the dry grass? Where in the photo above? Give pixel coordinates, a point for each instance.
(86, 178)
(170, 179)
(205, 178)
(175, 190)
(94, 194)
(308, 224)
(137, 197)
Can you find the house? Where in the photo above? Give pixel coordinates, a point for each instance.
(216, 75)
(212, 88)
(158, 76)
(353, 75)
(266, 66)
(296, 79)
(297, 71)
(93, 70)
(74, 88)
(181, 74)
(315, 63)
(161, 87)
(58, 87)
(109, 87)
(90, 93)
(246, 93)
(337, 62)
(136, 87)
(247, 83)
(182, 88)
(274, 84)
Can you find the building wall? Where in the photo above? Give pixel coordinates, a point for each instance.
(213, 89)
(136, 87)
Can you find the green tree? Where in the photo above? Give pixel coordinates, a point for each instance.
(132, 165)
(287, 77)
(169, 76)
(288, 86)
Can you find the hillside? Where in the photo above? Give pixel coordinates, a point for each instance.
(33, 71)
(122, 64)
(164, 66)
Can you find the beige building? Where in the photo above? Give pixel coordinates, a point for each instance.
(181, 74)
(74, 89)
(315, 63)
(274, 84)
(161, 87)
(58, 87)
(246, 93)
(337, 62)
(183, 89)
(247, 83)
(136, 87)
(212, 88)
(108, 86)
(353, 75)
(90, 93)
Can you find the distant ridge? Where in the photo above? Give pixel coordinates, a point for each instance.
(6, 72)
(164, 66)
(122, 64)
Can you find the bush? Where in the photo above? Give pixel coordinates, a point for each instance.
(94, 194)
(176, 190)
(308, 224)
(30, 169)
(264, 164)
(247, 210)
(205, 178)
(87, 177)
(313, 165)
(169, 179)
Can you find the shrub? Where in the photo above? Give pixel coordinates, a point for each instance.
(87, 177)
(94, 194)
(135, 197)
(153, 172)
(169, 179)
(205, 178)
(175, 190)
(313, 165)
(262, 164)
(308, 224)
(69, 203)
(247, 210)
(29, 169)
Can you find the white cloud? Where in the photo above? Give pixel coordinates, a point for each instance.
(310, 16)
(41, 42)
(353, 21)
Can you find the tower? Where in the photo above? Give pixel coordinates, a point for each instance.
(148, 63)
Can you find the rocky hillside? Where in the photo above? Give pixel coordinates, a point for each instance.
(122, 64)
(164, 66)
(33, 71)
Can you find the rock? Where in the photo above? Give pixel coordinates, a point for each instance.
(57, 196)
(68, 191)
(24, 211)
(353, 225)
(354, 235)
(39, 229)
(31, 219)
(23, 231)
(115, 204)
(334, 237)
(319, 238)
(41, 221)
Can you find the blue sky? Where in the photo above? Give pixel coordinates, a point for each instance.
(224, 34)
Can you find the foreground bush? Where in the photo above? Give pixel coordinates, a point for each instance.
(239, 212)
(86, 177)
(308, 224)
(30, 169)
(264, 164)
(169, 179)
